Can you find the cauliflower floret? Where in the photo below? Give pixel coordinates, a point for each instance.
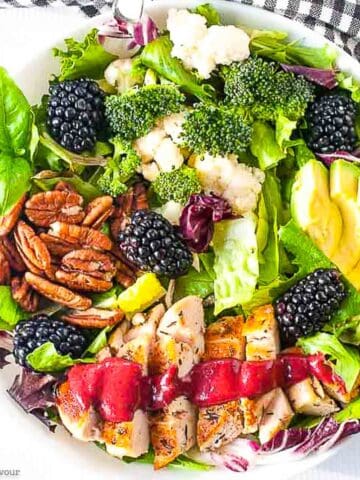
(204, 48)
(150, 171)
(171, 211)
(173, 124)
(186, 29)
(239, 184)
(168, 156)
(119, 75)
(147, 145)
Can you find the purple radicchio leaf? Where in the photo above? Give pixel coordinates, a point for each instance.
(6, 347)
(329, 158)
(325, 78)
(198, 218)
(238, 456)
(35, 393)
(114, 35)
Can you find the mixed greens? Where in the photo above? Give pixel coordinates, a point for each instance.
(226, 160)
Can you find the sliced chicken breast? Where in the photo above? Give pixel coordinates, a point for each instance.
(308, 397)
(276, 417)
(180, 341)
(262, 334)
(253, 410)
(173, 431)
(220, 424)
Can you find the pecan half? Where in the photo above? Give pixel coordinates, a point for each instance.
(94, 318)
(32, 249)
(82, 281)
(57, 293)
(125, 205)
(56, 246)
(126, 273)
(98, 211)
(8, 222)
(45, 208)
(97, 264)
(81, 236)
(12, 255)
(24, 295)
(5, 272)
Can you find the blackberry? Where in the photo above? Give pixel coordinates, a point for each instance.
(152, 243)
(32, 333)
(308, 305)
(75, 114)
(331, 124)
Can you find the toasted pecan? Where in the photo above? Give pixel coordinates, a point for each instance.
(57, 246)
(57, 293)
(24, 295)
(97, 264)
(94, 318)
(125, 205)
(32, 249)
(45, 208)
(8, 221)
(98, 211)
(12, 255)
(5, 272)
(81, 236)
(82, 281)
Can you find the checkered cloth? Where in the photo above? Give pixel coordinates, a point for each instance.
(338, 20)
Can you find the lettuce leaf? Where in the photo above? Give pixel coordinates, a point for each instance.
(236, 262)
(265, 147)
(276, 46)
(46, 359)
(209, 12)
(157, 56)
(348, 82)
(199, 283)
(346, 359)
(182, 462)
(10, 312)
(83, 59)
(15, 174)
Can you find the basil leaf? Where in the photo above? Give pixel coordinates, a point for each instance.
(46, 359)
(15, 174)
(10, 311)
(15, 117)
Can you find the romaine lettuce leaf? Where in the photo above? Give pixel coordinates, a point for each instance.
(182, 462)
(83, 59)
(209, 12)
(264, 146)
(236, 262)
(346, 359)
(276, 46)
(200, 283)
(348, 82)
(10, 312)
(157, 56)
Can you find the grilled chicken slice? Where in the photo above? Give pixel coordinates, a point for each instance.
(220, 424)
(132, 439)
(173, 431)
(225, 339)
(262, 343)
(180, 341)
(308, 397)
(276, 417)
(262, 334)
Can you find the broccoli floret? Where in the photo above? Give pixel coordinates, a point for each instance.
(134, 113)
(177, 185)
(119, 169)
(259, 87)
(216, 130)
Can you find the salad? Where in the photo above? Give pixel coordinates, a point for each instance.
(180, 244)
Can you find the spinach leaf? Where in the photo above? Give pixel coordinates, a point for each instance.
(15, 118)
(10, 311)
(15, 174)
(83, 59)
(157, 56)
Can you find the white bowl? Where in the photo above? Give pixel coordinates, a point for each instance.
(25, 444)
